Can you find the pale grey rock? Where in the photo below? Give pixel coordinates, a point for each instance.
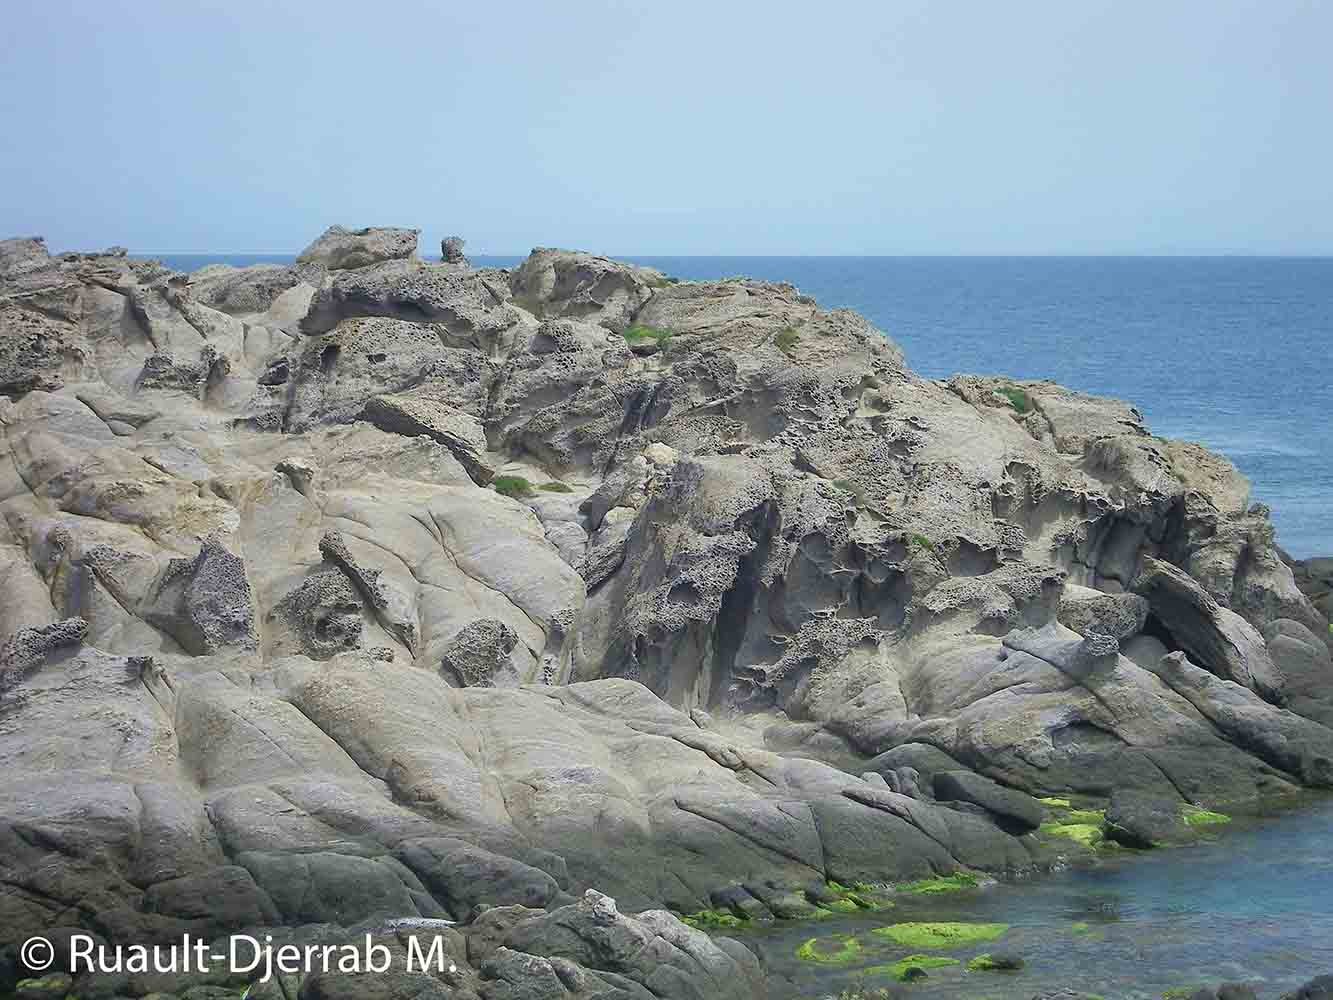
(451, 250)
(460, 432)
(340, 249)
(769, 515)
(574, 285)
(478, 655)
(205, 603)
(1118, 615)
(28, 647)
(1219, 638)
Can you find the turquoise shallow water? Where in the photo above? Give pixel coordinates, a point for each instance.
(1230, 351)
(1253, 904)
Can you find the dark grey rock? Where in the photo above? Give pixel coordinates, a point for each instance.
(1017, 808)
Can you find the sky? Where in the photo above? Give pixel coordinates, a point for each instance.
(720, 127)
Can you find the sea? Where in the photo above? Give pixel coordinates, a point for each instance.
(1232, 352)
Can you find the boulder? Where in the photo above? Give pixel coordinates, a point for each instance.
(340, 249)
(574, 285)
(1216, 637)
(1117, 615)
(1143, 820)
(1010, 807)
(460, 432)
(205, 603)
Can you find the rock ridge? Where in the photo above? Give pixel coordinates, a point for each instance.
(375, 588)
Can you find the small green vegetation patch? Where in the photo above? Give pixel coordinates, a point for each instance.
(639, 334)
(786, 340)
(837, 950)
(1084, 816)
(1181, 992)
(556, 486)
(512, 486)
(941, 883)
(901, 970)
(941, 935)
(990, 963)
(1087, 834)
(1055, 803)
(921, 542)
(1204, 817)
(1018, 399)
(859, 897)
(843, 905)
(713, 918)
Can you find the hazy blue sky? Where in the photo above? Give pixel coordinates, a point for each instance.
(1074, 126)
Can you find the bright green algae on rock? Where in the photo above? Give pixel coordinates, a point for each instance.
(837, 950)
(1084, 817)
(512, 486)
(859, 897)
(899, 970)
(1055, 803)
(941, 935)
(941, 883)
(989, 963)
(713, 918)
(1087, 834)
(1203, 817)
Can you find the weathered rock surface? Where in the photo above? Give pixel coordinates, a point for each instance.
(276, 655)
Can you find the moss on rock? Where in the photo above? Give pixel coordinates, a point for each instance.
(901, 970)
(1203, 817)
(512, 486)
(1087, 834)
(713, 918)
(995, 963)
(837, 950)
(941, 883)
(1084, 817)
(941, 935)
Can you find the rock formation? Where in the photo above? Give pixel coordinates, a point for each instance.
(370, 589)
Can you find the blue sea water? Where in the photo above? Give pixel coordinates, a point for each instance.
(1251, 904)
(1233, 352)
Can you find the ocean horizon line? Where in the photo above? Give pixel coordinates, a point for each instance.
(1164, 255)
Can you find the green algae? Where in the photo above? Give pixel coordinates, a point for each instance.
(1087, 834)
(555, 486)
(989, 963)
(860, 896)
(713, 918)
(1088, 817)
(940, 935)
(941, 883)
(639, 334)
(1080, 927)
(512, 486)
(900, 970)
(1055, 803)
(845, 949)
(1203, 817)
(841, 906)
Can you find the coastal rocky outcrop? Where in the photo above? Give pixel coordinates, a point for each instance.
(372, 588)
